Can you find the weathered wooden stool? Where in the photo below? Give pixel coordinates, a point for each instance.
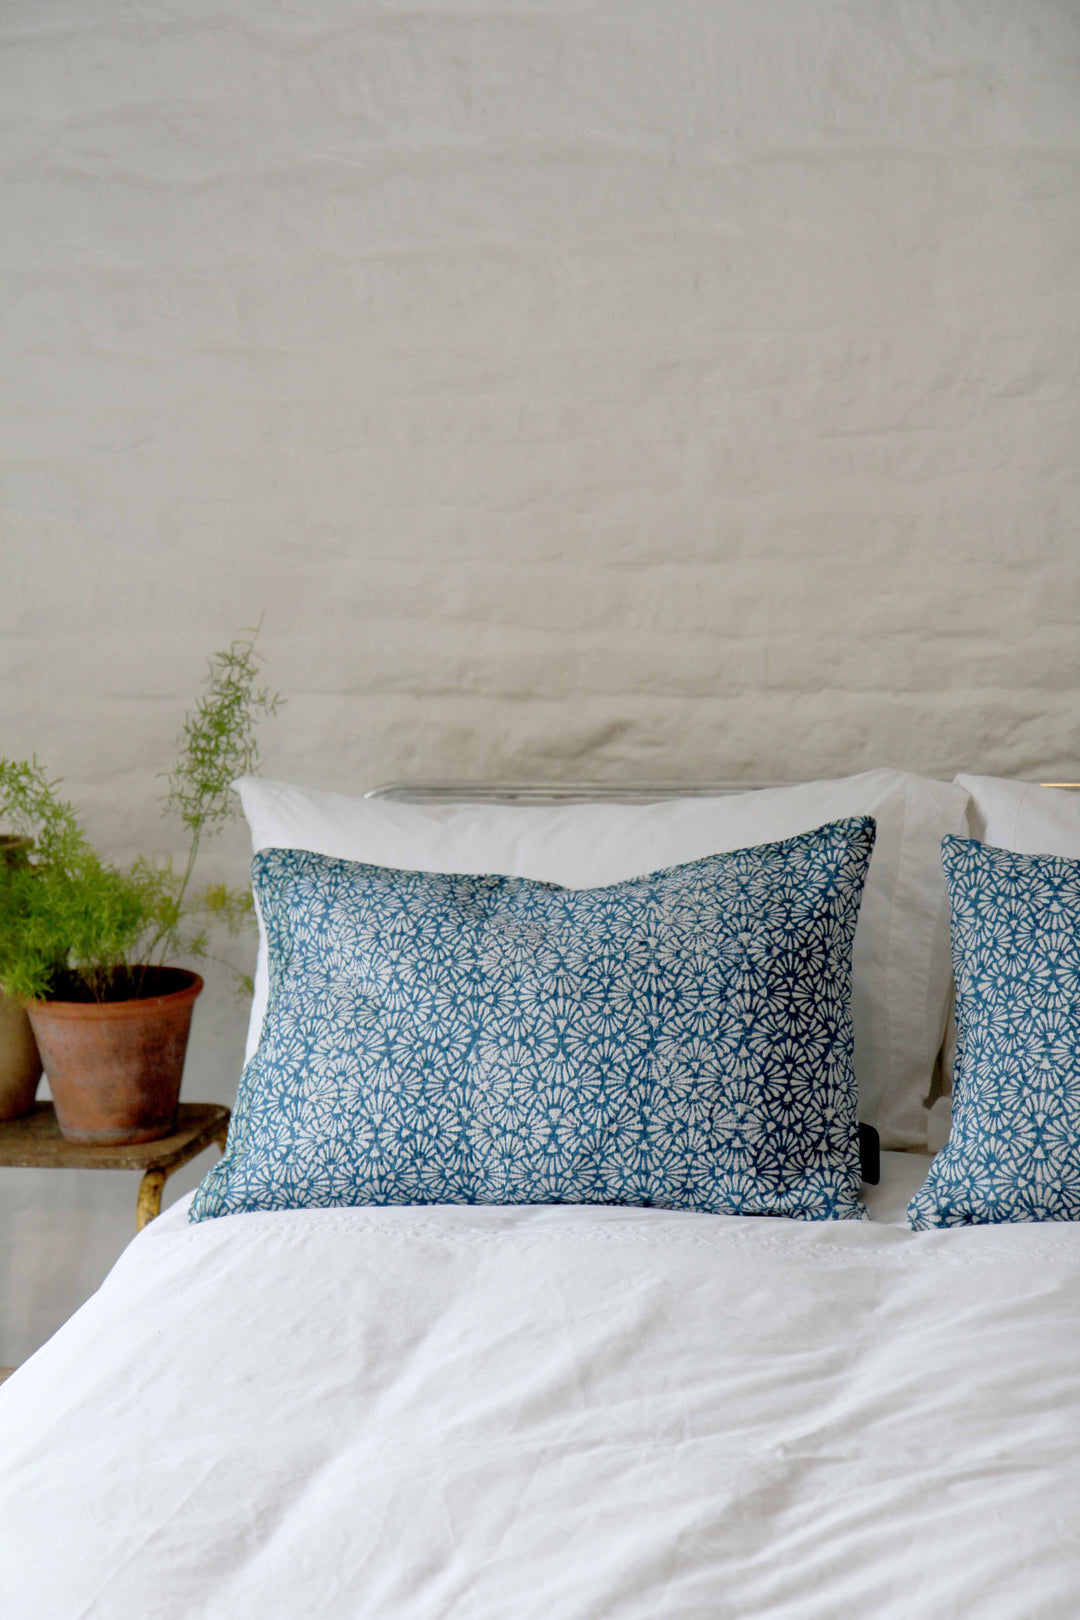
(34, 1142)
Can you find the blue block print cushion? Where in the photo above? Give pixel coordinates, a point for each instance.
(681, 1040)
(1014, 1150)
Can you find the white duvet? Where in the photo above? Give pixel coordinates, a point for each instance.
(555, 1413)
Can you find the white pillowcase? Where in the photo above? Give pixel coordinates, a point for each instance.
(901, 958)
(1023, 816)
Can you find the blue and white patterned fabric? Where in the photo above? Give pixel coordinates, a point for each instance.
(1013, 1153)
(681, 1040)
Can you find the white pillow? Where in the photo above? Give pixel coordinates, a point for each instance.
(1023, 816)
(901, 958)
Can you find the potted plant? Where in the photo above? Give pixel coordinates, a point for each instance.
(20, 1060)
(86, 945)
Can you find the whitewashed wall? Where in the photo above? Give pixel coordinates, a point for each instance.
(658, 388)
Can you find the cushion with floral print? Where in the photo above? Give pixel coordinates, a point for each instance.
(1013, 1152)
(680, 1040)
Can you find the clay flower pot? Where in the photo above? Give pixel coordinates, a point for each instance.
(115, 1067)
(20, 1062)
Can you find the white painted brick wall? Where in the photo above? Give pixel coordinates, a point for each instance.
(656, 388)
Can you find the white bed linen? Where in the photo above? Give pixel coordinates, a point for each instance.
(1024, 816)
(503, 1414)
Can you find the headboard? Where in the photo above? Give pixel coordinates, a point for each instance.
(555, 793)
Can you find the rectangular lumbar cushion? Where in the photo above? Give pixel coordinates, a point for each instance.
(1013, 1152)
(681, 1040)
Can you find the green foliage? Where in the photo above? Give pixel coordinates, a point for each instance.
(65, 913)
(61, 906)
(218, 741)
(233, 907)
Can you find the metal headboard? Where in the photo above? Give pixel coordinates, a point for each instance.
(555, 793)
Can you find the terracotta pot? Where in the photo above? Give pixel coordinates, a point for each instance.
(20, 1062)
(115, 1067)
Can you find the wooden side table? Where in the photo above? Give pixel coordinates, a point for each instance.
(34, 1142)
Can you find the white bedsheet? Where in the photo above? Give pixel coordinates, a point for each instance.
(555, 1413)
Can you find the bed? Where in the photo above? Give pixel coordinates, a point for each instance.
(556, 1411)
